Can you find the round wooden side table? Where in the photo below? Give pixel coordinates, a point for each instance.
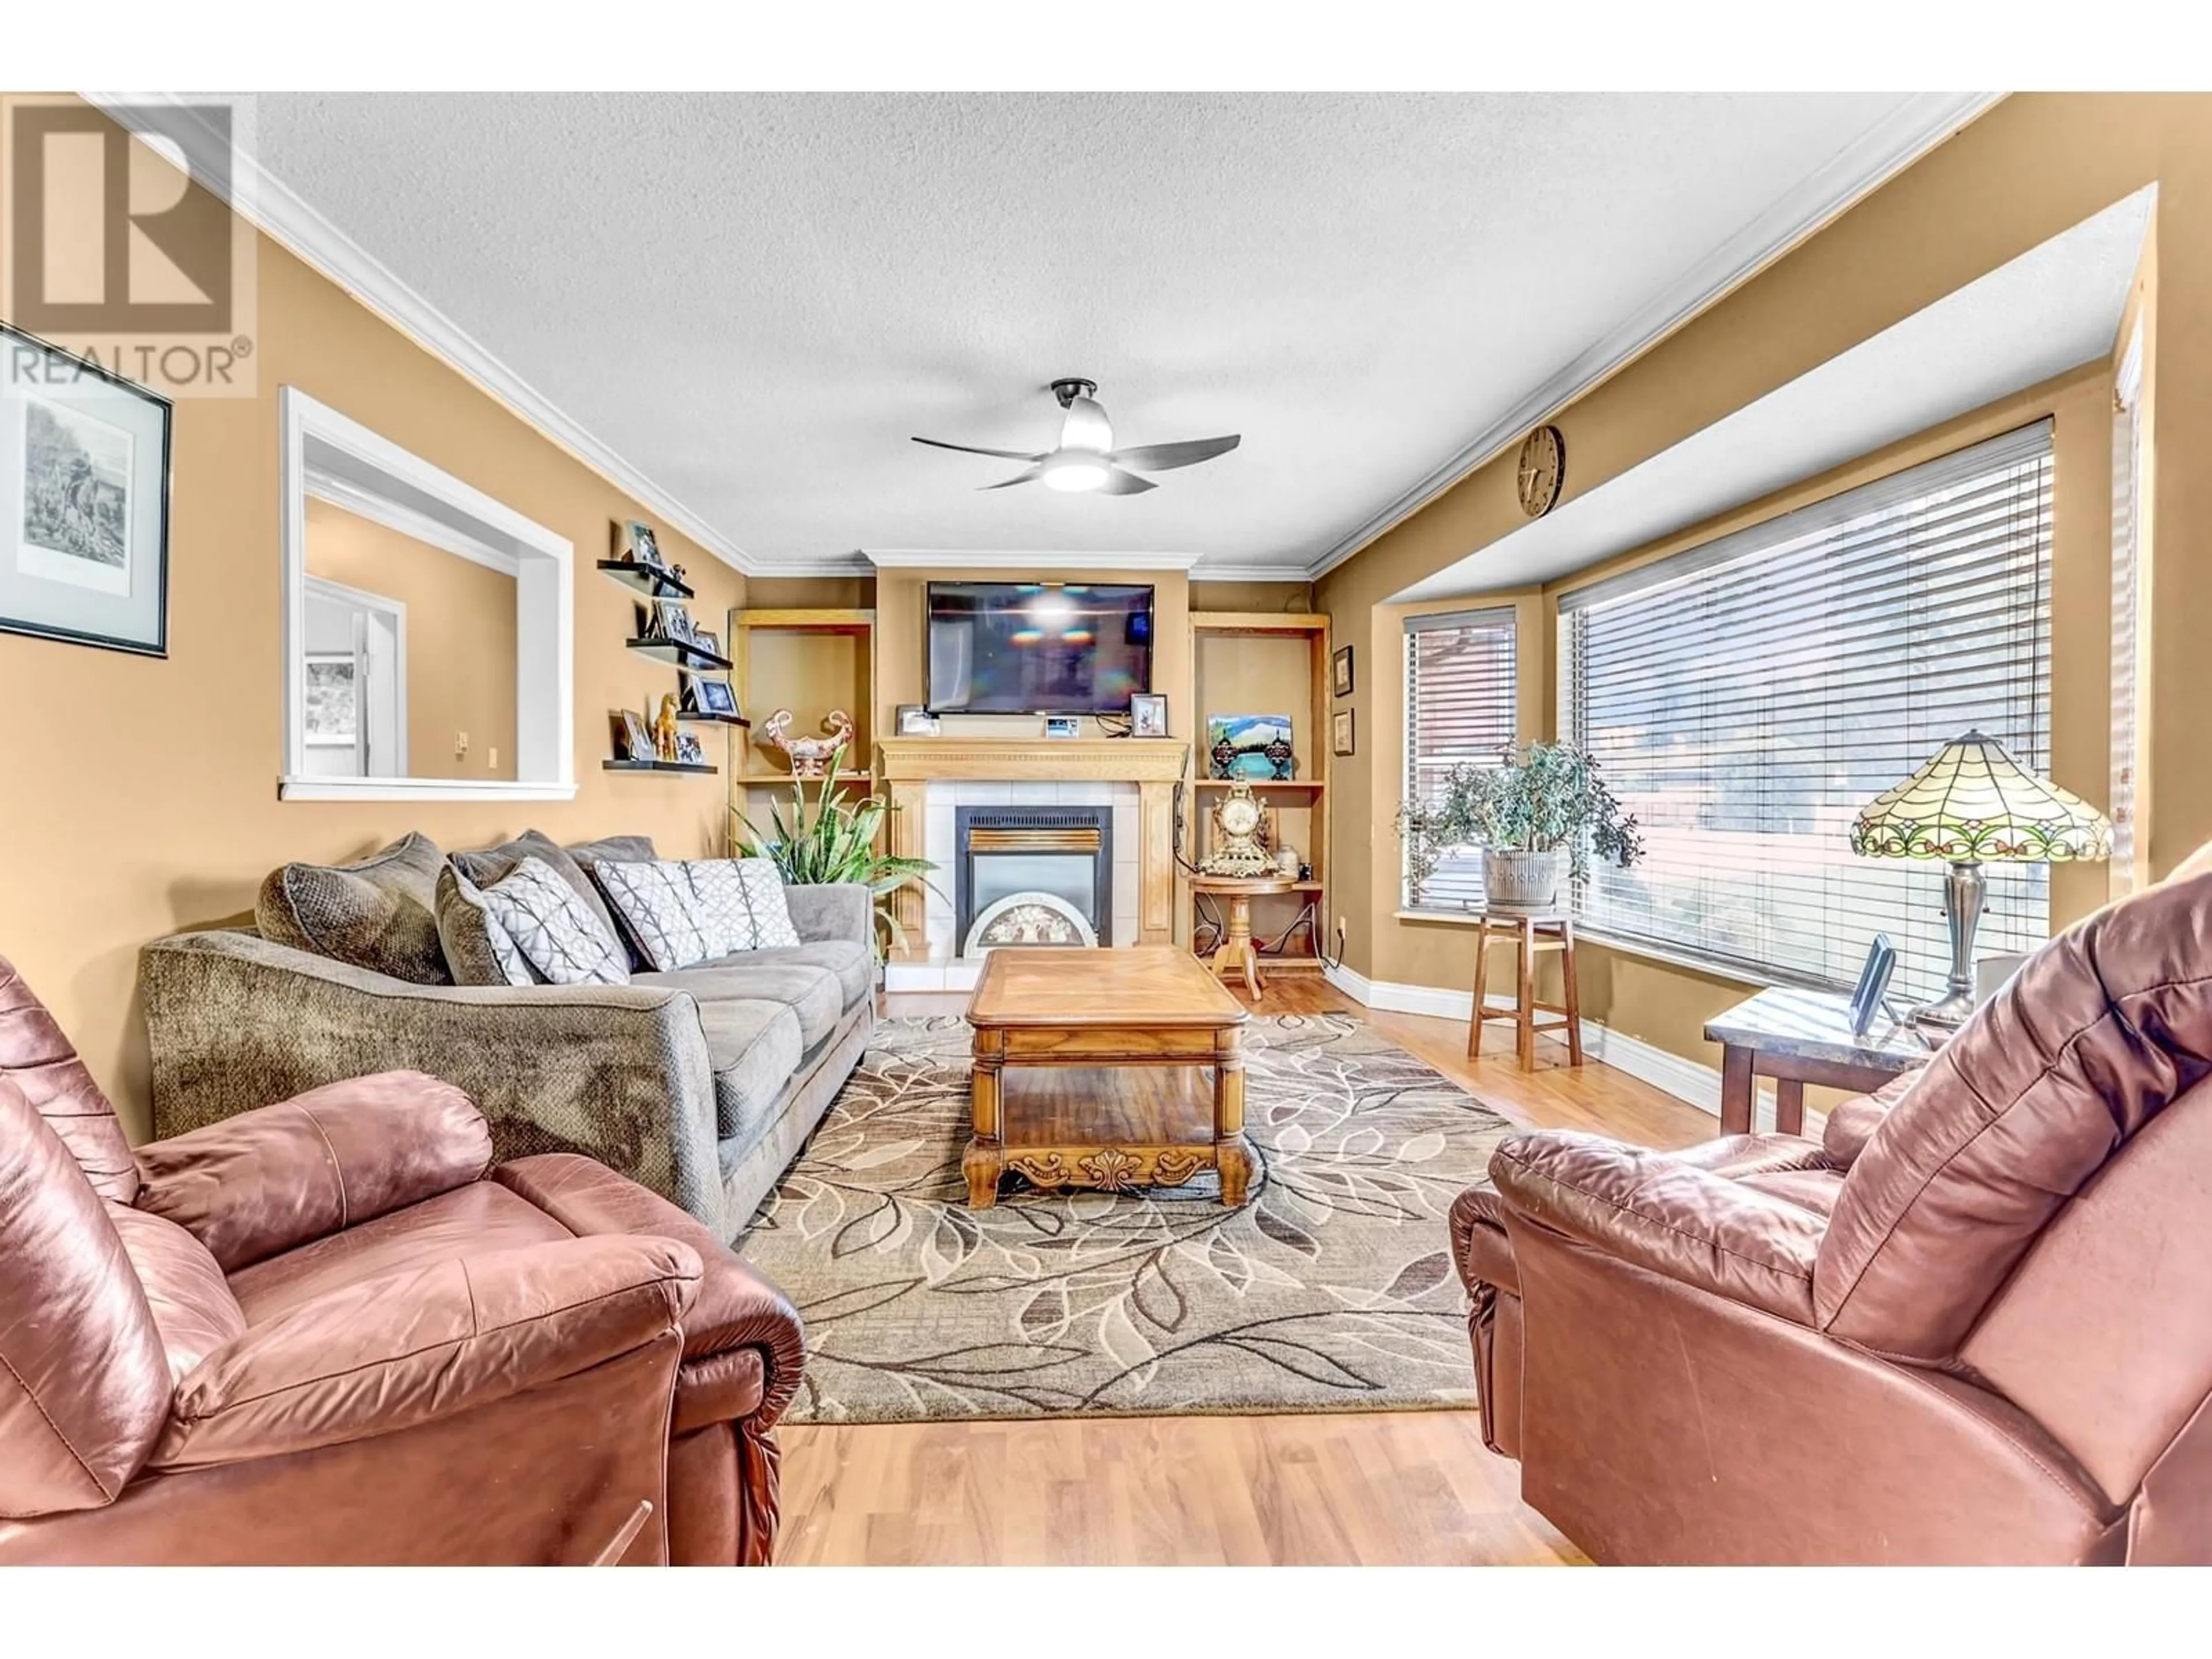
(1234, 955)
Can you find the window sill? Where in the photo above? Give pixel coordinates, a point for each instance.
(309, 788)
(1638, 948)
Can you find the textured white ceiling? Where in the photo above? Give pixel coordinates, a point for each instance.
(754, 299)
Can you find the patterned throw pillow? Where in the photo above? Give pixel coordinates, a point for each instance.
(555, 930)
(479, 951)
(686, 913)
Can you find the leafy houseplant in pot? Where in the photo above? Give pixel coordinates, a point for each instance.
(1542, 807)
(830, 837)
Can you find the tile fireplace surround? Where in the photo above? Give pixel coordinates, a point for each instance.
(928, 778)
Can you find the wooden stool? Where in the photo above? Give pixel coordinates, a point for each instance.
(1532, 931)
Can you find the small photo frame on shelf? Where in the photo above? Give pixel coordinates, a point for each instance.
(84, 501)
(670, 620)
(1339, 670)
(1253, 747)
(633, 739)
(703, 695)
(705, 640)
(1339, 732)
(690, 751)
(639, 547)
(1062, 725)
(1873, 984)
(1148, 714)
(916, 721)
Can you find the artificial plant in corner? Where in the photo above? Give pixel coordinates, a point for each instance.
(830, 838)
(1541, 799)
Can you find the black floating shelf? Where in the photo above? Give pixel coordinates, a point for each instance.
(713, 720)
(656, 584)
(654, 766)
(684, 656)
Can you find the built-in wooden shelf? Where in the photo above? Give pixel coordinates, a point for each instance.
(643, 579)
(700, 718)
(656, 766)
(684, 656)
(1311, 786)
(751, 777)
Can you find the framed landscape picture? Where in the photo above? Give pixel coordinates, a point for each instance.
(84, 501)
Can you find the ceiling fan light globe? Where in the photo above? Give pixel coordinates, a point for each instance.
(1074, 474)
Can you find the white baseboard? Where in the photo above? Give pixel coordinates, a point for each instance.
(1685, 1079)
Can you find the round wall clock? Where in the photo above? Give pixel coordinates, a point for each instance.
(1543, 471)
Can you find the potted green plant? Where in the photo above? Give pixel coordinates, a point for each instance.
(1543, 805)
(832, 837)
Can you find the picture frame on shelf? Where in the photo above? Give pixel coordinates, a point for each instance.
(1063, 725)
(633, 737)
(916, 721)
(84, 501)
(1339, 671)
(639, 546)
(1252, 746)
(705, 640)
(1148, 714)
(668, 620)
(1340, 735)
(706, 695)
(690, 751)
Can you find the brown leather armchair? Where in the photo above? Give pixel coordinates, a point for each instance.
(1974, 1323)
(331, 1331)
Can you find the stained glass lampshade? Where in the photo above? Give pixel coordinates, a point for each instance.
(1972, 805)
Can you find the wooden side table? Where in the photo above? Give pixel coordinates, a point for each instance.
(1532, 931)
(1798, 1037)
(1234, 954)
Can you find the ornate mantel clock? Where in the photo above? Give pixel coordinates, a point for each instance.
(1238, 848)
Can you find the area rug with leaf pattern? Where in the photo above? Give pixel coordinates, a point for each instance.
(1331, 1290)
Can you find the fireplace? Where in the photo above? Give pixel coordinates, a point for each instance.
(1030, 876)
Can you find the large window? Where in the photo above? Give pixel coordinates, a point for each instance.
(1459, 709)
(1746, 698)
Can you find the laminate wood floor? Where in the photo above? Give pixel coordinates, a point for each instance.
(1391, 1488)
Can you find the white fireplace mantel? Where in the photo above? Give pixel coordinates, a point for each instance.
(906, 765)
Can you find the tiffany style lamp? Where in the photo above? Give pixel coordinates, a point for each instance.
(1972, 804)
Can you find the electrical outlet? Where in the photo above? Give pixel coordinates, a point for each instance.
(491, 758)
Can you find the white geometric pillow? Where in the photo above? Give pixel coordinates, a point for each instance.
(688, 912)
(554, 928)
(761, 883)
(678, 913)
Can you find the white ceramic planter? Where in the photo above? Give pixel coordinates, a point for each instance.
(1524, 880)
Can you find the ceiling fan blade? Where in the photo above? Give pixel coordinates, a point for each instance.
(1162, 458)
(1119, 482)
(1018, 477)
(971, 449)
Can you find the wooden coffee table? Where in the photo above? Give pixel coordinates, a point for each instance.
(1086, 1072)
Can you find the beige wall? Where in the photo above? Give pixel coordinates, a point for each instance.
(460, 639)
(141, 795)
(2031, 168)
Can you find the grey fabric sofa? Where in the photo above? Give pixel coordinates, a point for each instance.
(701, 1085)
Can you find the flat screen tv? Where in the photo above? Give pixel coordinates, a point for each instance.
(1038, 647)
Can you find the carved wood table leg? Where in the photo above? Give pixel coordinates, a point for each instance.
(986, 1156)
(1232, 1154)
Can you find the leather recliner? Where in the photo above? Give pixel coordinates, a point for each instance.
(332, 1331)
(1972, 1323)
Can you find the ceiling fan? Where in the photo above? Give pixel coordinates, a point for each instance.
(1086, 457)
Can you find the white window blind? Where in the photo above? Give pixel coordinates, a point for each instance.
(2128, 564)
(1746, 698)
(1459, 709)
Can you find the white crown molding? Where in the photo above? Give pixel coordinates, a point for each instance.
(1854, 173)
(1685, 1079)
(849, 564)
(959, 558)
(1249, 573)
(267, 203)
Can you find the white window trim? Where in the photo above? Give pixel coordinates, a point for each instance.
(329, 456)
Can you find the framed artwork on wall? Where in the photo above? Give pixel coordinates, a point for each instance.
(1339, 732)
(1339, 670)
(84, 501)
